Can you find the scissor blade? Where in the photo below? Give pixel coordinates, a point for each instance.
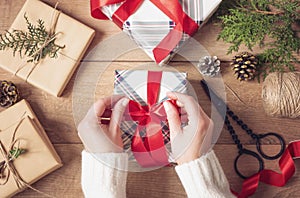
(214, 98)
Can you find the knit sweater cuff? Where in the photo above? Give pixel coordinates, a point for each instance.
(104, 174)
(204, 177)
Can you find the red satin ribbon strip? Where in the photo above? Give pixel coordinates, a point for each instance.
(149, 151)
(153, 86)
(125, 11)
(270, 177)
(172, 8)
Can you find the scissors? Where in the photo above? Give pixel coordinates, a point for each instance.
(221, 105)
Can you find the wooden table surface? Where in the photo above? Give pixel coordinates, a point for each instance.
(56, 114)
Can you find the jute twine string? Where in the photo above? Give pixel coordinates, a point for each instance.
(281, 94)
(10, 169)
(52, 36)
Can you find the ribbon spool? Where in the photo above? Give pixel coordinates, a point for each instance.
(281, 94)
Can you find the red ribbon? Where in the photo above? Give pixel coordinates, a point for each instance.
(270, 177)
(172, 8)
(149, 151)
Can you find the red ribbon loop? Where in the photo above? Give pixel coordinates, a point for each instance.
(150, 150)
(145, 114)
(172, 8)
(125, 11)
(270, 177)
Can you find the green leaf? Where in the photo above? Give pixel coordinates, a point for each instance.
(16, 152)
(29, 43)
(250, 22)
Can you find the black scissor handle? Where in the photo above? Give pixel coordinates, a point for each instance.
(259, 149)
(252, 154)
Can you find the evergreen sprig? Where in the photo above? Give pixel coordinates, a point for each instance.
(13, 154)
(35, 44)
(250, 22)
(16, 152)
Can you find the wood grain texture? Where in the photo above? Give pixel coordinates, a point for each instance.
(59, 116)
(163, 182)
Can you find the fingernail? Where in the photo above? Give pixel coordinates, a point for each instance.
(179, 104)
(167, 106)
(172, 95)
(125, 102)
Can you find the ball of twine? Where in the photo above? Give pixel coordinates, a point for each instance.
(281, 94)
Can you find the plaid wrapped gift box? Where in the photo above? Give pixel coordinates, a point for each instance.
(133, 84)
(149, 25)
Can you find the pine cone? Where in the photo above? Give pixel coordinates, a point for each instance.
(9, 94)
(244, 66)
(209, 66)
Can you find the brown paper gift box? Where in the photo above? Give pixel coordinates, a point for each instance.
(40, 158)
(51, 74)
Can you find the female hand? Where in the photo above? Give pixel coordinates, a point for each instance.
(188, 143)
(101, 138)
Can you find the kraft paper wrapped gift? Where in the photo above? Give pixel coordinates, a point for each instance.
(149, 25)
(51, 74)
(133, 84)
(40, 157)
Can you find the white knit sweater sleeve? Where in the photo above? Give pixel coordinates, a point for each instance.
(204, 178)
(104, 175)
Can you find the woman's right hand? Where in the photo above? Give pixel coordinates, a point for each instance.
(190, 142)
(103, 138)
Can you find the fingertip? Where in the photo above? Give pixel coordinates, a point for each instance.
(167, 105)
(117, 97)
(170, 108)
(125, 102)
(179, 104)
(98, 108)
(172, 95)
(117, 113)
(121, 105)
(173, 120)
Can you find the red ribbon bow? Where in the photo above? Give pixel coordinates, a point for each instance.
(172, 8)
(270, 177)
(150, 150)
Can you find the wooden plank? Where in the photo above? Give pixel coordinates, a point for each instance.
(64, 182)
(57, 115)
(163, 182)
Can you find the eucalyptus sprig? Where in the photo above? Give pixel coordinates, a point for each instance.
(35, 44)
(251, 22)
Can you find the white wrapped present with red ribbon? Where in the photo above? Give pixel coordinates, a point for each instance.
(159, 27)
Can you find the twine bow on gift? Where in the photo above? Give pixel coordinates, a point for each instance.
(50, 38)
(172, 8)
(7, 167)
(149, 150)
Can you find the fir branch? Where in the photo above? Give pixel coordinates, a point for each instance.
(35, 44)
(250, 22)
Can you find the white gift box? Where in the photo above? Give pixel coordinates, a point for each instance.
(148, 26)
(133, 84)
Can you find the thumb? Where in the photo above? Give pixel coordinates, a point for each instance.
(173, 119)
